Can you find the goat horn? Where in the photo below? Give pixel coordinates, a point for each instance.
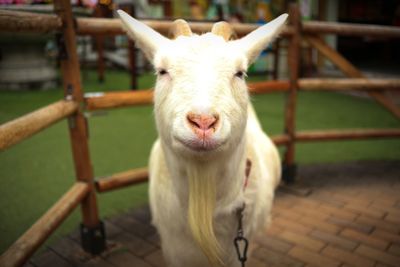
(180, 27)
(223, 29)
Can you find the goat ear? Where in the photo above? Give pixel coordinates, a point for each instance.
(256, 41)
(146, 39)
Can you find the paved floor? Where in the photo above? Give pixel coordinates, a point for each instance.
(351, 218)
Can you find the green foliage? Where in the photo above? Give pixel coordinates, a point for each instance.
(36, 172)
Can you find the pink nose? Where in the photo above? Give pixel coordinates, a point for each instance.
(202, 122)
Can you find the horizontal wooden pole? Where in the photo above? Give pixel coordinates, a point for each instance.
(268, 86)
(110, 100)
(95, 101)
(27, 244)
(348, 84)
(140, 175)
(350, 29)
(17, 21)
(90, 26)
(12, 21)
(280, 139)
(349, 134)
(331, 135)
(17, 130)
(93, 26)
(142, 97)
(122, 179)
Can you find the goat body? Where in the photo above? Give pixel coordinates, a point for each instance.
(207, 131)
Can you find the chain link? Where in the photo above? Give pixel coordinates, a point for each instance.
(241, 243)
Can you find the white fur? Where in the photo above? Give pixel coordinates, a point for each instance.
(201, 79)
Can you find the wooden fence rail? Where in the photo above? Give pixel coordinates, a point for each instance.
(90, 26)
(268, 86)
(26, 21)
(349, 134)
(118, 99)
(85, 188)
(107, 100)
(13, 21)
(140, 175)
(122, 179)
(23, 127)
(30, 241)
(16, 21)
(363, 84)
(350, 29)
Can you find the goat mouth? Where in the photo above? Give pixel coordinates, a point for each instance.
(200, 145)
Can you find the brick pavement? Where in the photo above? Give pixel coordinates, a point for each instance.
(351, 218)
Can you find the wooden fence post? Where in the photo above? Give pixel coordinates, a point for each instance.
(289, 167)
(92, 229)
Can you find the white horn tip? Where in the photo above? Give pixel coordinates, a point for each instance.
(121, 12)
(283, 17)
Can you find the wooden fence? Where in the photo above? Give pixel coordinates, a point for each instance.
(84, 190)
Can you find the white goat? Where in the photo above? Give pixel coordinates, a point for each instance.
(207, 132)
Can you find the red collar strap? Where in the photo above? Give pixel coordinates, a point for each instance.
(247, 173)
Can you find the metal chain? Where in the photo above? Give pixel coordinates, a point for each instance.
(241, 243)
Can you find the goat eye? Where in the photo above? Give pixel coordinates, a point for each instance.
(240, 74)
(162, 72)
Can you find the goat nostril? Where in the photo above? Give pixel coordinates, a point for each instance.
(214, 121)
(201, 121)
(193, 123)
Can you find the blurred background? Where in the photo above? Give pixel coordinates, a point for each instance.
(38, 171)
(35, 56)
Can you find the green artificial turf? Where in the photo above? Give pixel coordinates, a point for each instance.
(36, 172)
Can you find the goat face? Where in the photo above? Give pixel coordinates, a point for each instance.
(200, 95)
